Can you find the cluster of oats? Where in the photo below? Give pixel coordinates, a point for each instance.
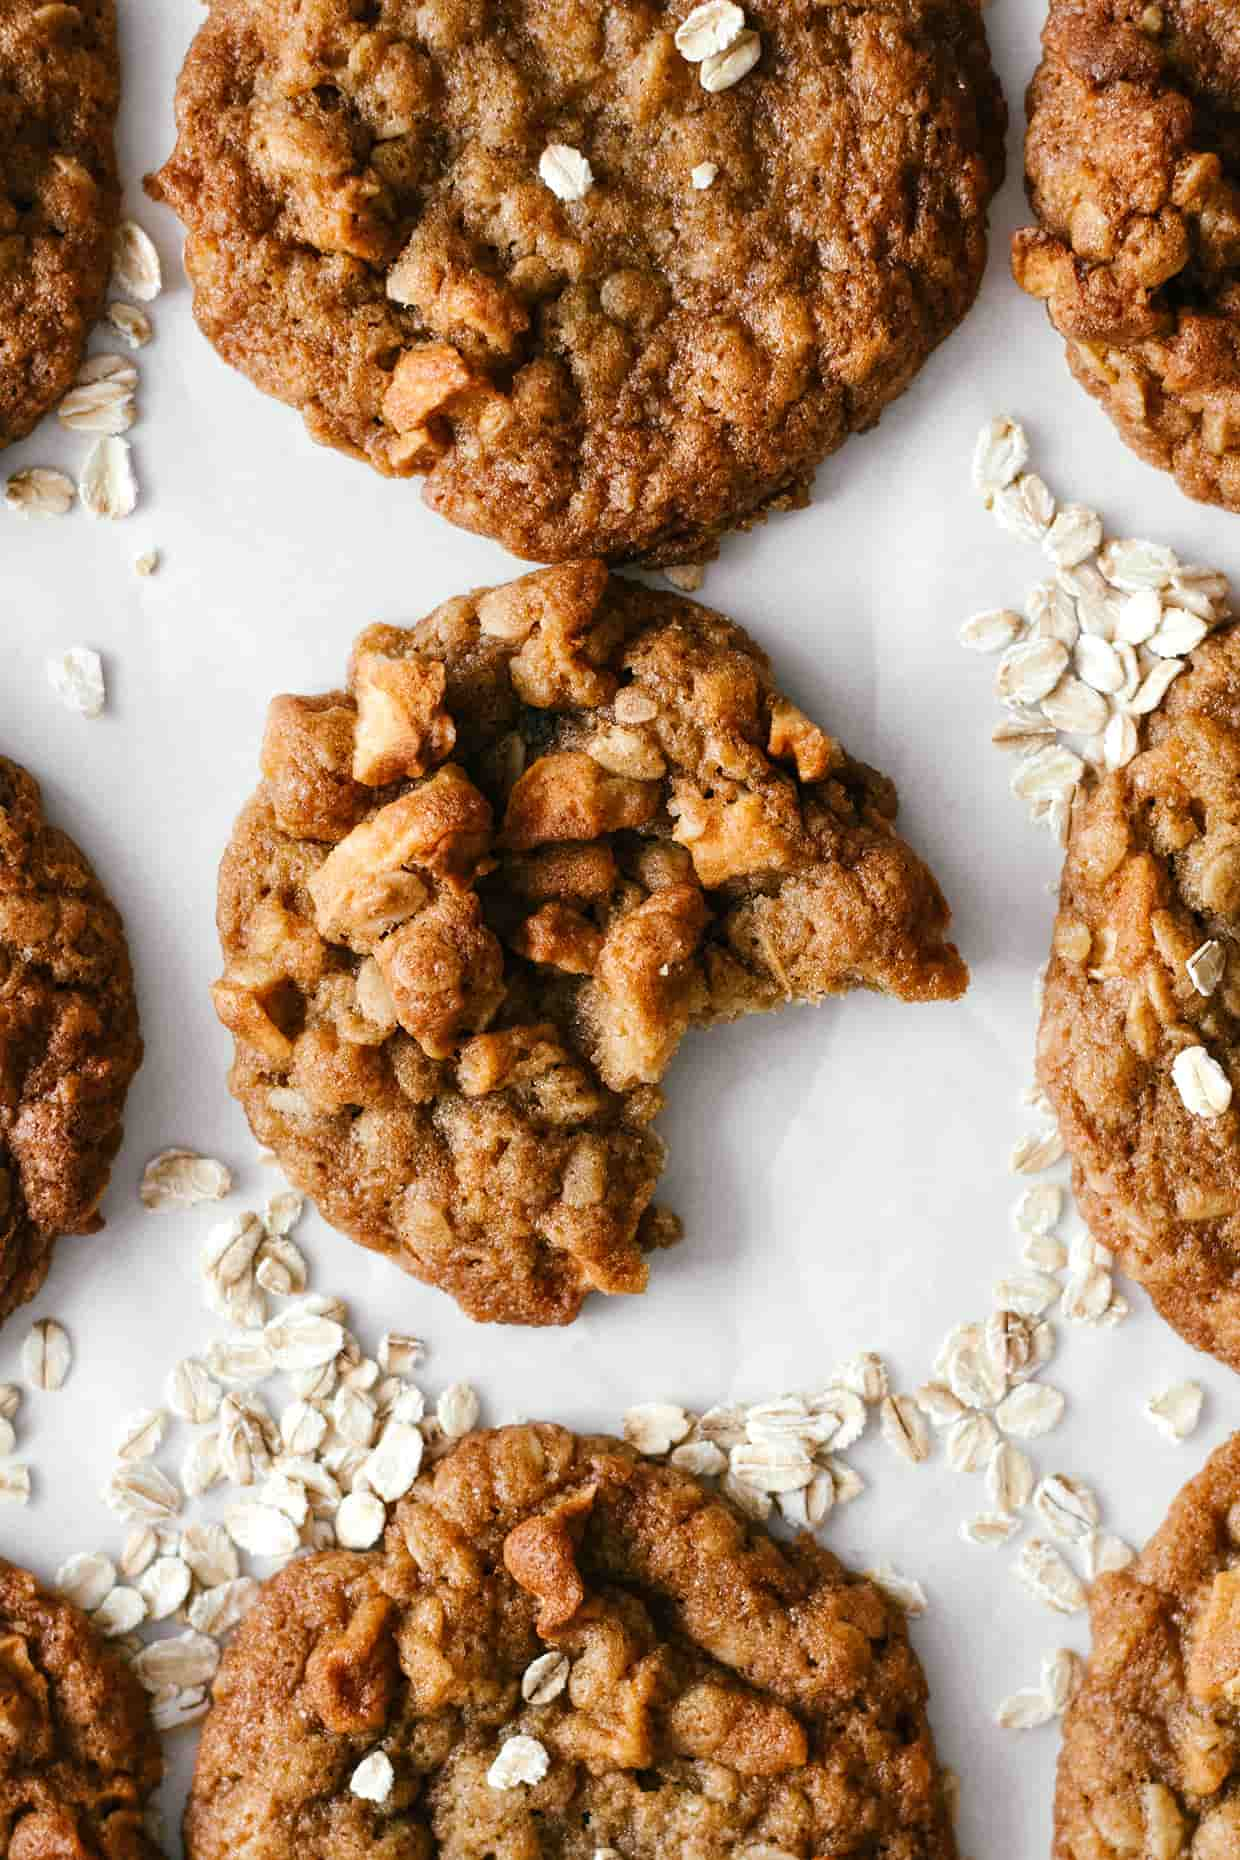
(297, 1438)
(1027, 1710)
(101, 401)
(785, 1456)
(1101, 640)
(46, 1359)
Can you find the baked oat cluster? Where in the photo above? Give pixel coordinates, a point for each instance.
(562, 1648)
(1133, 163)
(481, 895)
(59, 195)
(1140, 1038)
(79, 1760)
(1151, 1755)
(614, 280)
(69, 1040)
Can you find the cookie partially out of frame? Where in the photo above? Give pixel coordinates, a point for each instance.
(482, 893)
(725, 1694)
(59, 195)
(1135, 1018)
(79, 1757)
(626, 374)
(69, 1039)
(1151, 1752)
(1133, 165)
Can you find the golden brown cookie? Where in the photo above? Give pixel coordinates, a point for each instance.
(1133, 165)
(629, 373)
(59, 196)
(701, 1690)
(69, 1040)
(1140, 1037)
(79, 1759)
(1151, 1753)
(481, 895)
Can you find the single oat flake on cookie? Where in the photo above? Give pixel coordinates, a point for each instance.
(1139, 1046)
(482, 894)
(632, 1635)
(471, 245)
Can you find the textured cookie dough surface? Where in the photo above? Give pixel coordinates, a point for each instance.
(1153, 873)
(79, 1758)
(627, 374)
(725, 1695)
(1150, 1763)
(59, 196)
(1133, 164)
(69, 1041)
(482, 893)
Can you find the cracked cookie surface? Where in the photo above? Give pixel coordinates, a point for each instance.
(1152, 874)
(482, 894)
(1133, 165)
(59, 196)
(79, 1758)
(628, 374)
(69, 1040)
(725, 1693)
(1151, 1752)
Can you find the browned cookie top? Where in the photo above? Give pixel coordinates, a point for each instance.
(69, 1041)
(627, 374)
(481, 895)
(1150, 1764)
(1152, 875)
(715, 1692)
(79, 1758)
(59, 196)
(1133, 162)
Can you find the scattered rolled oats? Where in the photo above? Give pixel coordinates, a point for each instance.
(544, 1678)
(299, 1339)
(76, 677)
(770, 1467)
(120, 1612)
(188, 1659)
(904, 1428)
(1204, 1087)
(702, 1458)
(1025, 1711)
(900, 1589)
(970, 1441)
(46, 1355)
(210, 1553)
(1105, 1553)
(87, 1579)
(262, 1530)
(989, 1529)
(1033, 1154)
(360, 1520)
(992, 631)
(131, 324)
(709, 28)
(39, 492)
(193, 1392)
(565, 171)
(1027, 1293)
(520, 1760)
(655, 1427)
(457, 1410)
(141, 1549)
(394, 1464)
(373, 1778)
(1030, 670)
(1044, 1572)
(164, 1585)
(721, 70)
(101, 399)
(180, 1178)
(218, 1610)
(146, 563)
(142, 1491)
(1067, 1508)
(399, 1355)
(1176, 1410)
(1025, 507)
(1030, 1411)
(142, 1434)
(14, 1483)
(108, 487)
(1000, 455)
(1075, 534)
(1009, 1478)
(135, 263)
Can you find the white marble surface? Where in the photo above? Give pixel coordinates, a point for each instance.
(841, 1172)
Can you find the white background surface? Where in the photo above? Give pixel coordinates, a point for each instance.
(841, 1172)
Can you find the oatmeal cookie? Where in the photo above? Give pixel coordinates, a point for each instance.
(79, 1759)
(1152, 875)
(69, 1041)
(1150, 1763)
(1133, 164)
(714, 1692)
(626, 374)
(59, 196)
(481, 895)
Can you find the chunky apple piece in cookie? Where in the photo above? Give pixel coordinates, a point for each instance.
(482, 894)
